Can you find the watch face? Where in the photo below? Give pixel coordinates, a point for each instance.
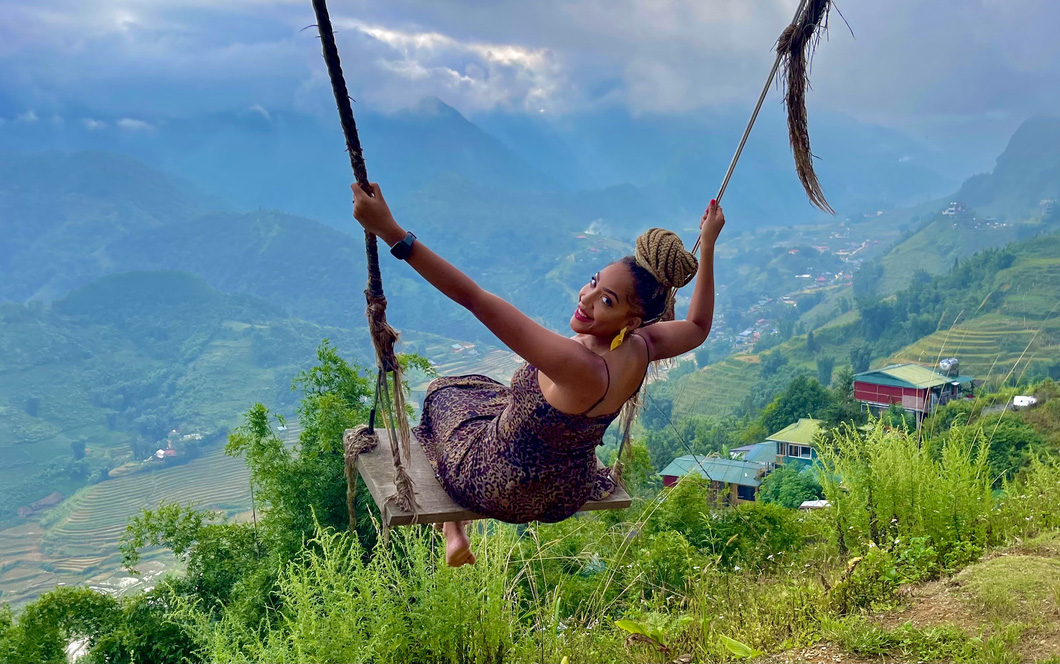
(402, 249)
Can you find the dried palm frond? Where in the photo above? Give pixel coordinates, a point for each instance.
(795, 47)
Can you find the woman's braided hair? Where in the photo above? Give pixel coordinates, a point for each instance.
(660, 264)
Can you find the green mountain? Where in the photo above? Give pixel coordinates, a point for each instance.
(1026, 173)
(59, 213)
(953, 234)
(67, 229)
(101, 376)
(998, 312)
(1013, 202)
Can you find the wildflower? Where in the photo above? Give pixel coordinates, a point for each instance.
(736, 568)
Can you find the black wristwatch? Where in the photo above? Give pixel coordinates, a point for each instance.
(402, 249)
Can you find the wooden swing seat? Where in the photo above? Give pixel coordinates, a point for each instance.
(376, 466)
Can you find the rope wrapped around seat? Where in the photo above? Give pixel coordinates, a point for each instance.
(383, 335)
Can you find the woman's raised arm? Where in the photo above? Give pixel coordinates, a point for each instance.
(565, 361)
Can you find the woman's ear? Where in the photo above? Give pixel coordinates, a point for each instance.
(634, 322)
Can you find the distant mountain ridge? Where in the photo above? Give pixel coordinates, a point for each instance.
(1026, 173)
(297, 163)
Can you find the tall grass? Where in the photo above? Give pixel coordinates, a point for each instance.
(885, 487)
(674, 570)
(402, 604)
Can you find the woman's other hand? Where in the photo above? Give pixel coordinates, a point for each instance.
(711, 224)
(374, 214)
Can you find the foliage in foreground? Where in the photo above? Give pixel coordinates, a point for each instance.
(672, 576)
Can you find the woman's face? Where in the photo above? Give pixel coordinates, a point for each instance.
(604, 305)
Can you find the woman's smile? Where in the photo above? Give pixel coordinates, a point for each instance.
(581, 315)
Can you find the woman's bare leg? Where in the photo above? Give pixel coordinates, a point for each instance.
(457, 545)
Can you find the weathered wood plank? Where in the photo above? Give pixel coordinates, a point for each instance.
(377, 469)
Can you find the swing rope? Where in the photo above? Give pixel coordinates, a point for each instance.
(794, 48)
(383, 335)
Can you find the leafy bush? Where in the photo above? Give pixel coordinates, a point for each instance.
(789, 486)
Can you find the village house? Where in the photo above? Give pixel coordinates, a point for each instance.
(732, 481)
(915, 388)
(736, 480)
(794, 443)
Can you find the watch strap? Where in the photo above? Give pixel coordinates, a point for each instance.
(402, 249)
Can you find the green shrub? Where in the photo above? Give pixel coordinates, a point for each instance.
(885, 488)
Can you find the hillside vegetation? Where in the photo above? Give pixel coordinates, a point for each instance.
(670, 578)
(996, 311)
(102, 376)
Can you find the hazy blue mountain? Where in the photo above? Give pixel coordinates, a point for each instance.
(60, 211)
(681, 160)
(64, 231)
(1026, 173)
(297, 163)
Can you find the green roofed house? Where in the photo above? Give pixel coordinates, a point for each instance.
(732, 481)
(794, 443)
(917, 389)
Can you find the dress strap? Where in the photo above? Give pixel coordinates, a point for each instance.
(606, 390)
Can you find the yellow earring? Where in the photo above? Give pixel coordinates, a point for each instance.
(619, 338)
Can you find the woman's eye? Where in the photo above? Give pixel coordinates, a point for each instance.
(607, 301)
(592, 281)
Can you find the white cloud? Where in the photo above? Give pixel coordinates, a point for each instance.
(93, 125)
(937, 63)
(131, 124)
(260, 110)
(29, 117)
(475, 75)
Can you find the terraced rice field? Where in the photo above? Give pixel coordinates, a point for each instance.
(21, 573)
(717, 390)
(81, 543)
(498, 364)
(990, 347)
(100, 512)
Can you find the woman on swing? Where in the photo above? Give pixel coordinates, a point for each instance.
(527, 452)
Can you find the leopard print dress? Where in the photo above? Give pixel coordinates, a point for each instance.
(506, 453)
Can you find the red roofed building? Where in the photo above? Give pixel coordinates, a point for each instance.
(911, 386)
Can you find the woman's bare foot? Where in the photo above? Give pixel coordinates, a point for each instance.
(457, 545)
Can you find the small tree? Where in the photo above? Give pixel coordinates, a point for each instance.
(860, 358)
(811, 343)
(790, 487)
(771, 362)
(825, 364)
(702, 356)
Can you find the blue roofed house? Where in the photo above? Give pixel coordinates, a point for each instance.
(732, 481)
(736, 480)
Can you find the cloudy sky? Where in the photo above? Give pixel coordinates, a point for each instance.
(940, 69)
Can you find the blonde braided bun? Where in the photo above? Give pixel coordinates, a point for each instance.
(662, 253)
(663, 259)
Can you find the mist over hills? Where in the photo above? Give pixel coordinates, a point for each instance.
(294, 162)
(85, 231)
(1026, 173)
